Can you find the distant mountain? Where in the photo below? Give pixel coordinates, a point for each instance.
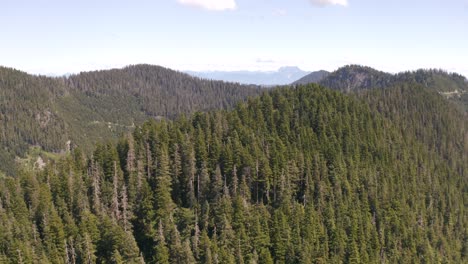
(47, 112)
(283, 76)
(313, 77)
(354, 78)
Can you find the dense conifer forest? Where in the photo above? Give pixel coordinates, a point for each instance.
(355, 78)
(297, 175)
(92, 106)
(260, 139)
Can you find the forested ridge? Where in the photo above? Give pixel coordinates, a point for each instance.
(298, 175)
(314, 77)
(92, 106)
(355, 78)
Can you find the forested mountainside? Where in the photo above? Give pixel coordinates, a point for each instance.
(354, 78)
(438, 125)
(159, 91)
(91, 106)
(297, 175)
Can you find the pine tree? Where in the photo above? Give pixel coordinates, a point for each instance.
(161, 255)
(162, 195)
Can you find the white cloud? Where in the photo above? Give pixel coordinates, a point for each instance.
(329, 2)
(215, 5)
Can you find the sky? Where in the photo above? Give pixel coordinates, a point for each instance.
(63, 36)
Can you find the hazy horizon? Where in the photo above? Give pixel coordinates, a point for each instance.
(56, 37)
(52, 74)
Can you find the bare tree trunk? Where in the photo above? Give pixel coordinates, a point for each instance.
(94, 173)
(115, 197)
(124, 202)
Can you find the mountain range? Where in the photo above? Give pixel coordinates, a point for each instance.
(283, 76)
(149, 165)
(168, 168)
(84, 108)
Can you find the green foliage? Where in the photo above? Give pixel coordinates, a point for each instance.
(355, 78)
(89, 107)
(297, 175)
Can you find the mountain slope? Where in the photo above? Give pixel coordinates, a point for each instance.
(297, 175)
(355, 78)
(428, 117)
(452, 86)
(313, 77)
(284, 75)
(91, 106)
(28, 115)
(159, 91)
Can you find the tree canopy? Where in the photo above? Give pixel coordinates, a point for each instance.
(296, 175)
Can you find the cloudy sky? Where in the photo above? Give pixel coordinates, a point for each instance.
(61, 36)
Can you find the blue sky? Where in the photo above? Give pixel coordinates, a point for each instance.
(62, 36)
